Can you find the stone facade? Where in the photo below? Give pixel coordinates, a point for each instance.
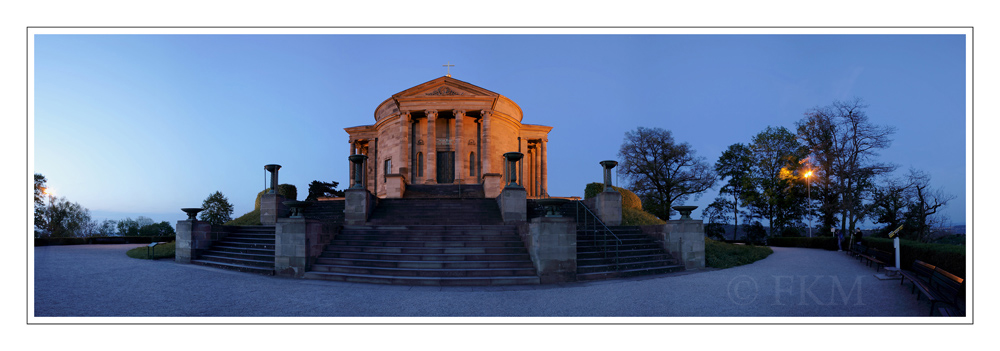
(447, 131)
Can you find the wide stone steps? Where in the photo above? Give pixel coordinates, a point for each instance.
(442, 211)
(427, 281)
(326, 211)
(601, 256)
(426, 255)
(245, 249)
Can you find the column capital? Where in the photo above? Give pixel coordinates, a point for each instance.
(485, 113)
(405, 115)
(458, 112)
(431, 113)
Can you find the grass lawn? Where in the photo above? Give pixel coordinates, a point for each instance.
(160, 251)
(723, 255)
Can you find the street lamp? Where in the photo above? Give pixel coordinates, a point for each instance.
(809, 201)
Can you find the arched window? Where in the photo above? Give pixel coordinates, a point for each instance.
(420, 164)
(388, 168)
(472, 164)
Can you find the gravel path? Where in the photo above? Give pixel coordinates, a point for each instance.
(99, 280)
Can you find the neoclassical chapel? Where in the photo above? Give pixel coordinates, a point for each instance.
(447, 131)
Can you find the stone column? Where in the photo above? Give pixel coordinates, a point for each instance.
(459, 149)
(404, 143)
(487, 116)
(430, 156)
(544, 182)
(350, 165)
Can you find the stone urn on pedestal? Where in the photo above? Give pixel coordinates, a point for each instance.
(512, 158)
(685, 211)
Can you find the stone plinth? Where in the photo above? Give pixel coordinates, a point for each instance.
(683, 239)
(492, 184)
(514, 204)
(272, 208)
(608, 207)
(551, 242)
(358, 204)
(395, 186)
(192, 238)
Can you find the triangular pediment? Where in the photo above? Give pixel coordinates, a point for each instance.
(445, 87)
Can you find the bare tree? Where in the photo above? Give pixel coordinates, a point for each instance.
(845, 144)
(924, 203)
(661, 171)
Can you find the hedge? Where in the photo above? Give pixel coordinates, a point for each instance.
(103, 240)
(949, 257)
(822, 242)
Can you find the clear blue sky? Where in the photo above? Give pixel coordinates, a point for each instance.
(131, 125)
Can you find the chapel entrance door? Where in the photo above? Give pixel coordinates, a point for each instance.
(445, 167)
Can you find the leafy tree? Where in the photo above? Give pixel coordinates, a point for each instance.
(128, 227)
(889, 204)
(661, 171)
(776, 192)
(845, 143)
(62, 218)
(319, 189)
(718, 214)
(218, 210)
(40, 197)
(157, 229)
(736, 168)
(107, 228)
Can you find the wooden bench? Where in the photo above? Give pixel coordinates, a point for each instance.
(943, 287)
(921, 275)
(877, 257)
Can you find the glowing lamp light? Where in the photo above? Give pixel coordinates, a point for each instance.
(809, 174)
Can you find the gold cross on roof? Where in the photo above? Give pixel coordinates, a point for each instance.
(449, 66)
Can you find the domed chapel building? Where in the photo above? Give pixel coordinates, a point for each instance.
(448, 132)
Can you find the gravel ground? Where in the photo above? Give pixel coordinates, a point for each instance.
(99, 280)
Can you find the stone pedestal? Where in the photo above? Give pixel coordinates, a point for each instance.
(683, 239)
(193, 237)
(608, 207)
(514, 204)
(492, 184)
(358, 204)
(297, 242)
(395, 186)
(551, 243)
(272, 208)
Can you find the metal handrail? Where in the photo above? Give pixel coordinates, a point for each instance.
(597, 220)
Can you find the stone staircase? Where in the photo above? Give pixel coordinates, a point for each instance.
(598, 251)
(331, 211)
(244, 249)
(426, 255)
(434, 236)
(637, 254)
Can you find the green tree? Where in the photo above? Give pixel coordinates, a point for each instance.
(218, 210)
(40, 197)
(735, 166)
(107, 228)
(924, 202)
(128, 227)
(662, 172)
(157, 229)
(778, 191)
(62, 218)
(319, 189)
(718, 214)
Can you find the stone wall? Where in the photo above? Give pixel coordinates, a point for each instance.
(551, 242)
(683, 239)
(193, 237)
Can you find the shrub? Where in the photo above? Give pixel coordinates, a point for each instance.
(629, 199)
(949, 257)
(634, 216)
(723, 255)
(286, 190)
(253, 217)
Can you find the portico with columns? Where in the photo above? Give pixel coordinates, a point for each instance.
(447, 131)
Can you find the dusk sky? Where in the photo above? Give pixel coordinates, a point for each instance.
(143, 125)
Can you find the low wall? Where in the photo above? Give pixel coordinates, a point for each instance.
(551, 243)
(684, 239)
(97, 240)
